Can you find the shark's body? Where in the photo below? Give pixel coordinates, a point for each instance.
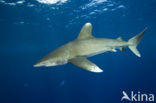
(77, 51)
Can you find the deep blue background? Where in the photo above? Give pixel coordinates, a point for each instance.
(29, 33)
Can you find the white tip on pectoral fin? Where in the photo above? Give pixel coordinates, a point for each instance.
(85, 64)
(95, 69)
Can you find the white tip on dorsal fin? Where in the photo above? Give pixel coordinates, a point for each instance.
(86, 31)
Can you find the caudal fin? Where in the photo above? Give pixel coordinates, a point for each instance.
(134, 41)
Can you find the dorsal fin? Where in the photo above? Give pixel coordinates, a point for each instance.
(86, 31)
(119, 38)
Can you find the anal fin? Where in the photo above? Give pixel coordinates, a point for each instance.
(122, 49)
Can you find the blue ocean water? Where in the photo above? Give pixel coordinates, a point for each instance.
(30, 29)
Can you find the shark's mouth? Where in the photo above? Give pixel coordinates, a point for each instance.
(48, 63)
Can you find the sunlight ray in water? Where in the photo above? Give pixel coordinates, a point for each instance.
(51, 1)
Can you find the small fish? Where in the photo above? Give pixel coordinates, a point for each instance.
(62, 83)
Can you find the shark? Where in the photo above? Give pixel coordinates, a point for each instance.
(86, 45)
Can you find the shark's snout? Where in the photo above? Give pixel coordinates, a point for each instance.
(46, 64)
(37, 65)
(50, 62)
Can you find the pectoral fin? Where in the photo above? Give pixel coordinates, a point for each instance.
(84, 63)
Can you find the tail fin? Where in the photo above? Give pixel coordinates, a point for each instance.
(134, 41)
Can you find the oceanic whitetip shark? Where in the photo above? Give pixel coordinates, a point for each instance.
(86, 45)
